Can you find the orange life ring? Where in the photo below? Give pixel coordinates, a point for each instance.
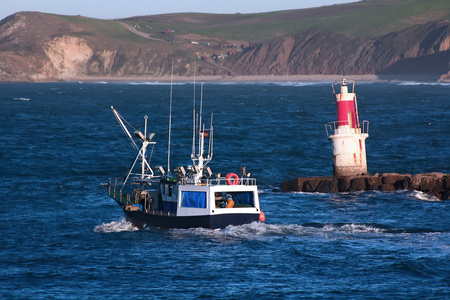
(232, 179)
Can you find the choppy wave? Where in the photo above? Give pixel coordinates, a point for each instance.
(424, 197)
(299, 83)
(153, 83)
(263, 231)
(22, 99)
(278, 83)
(134, 82)
(122, 225)
(341, 195)
(414, 83)
(331, 245)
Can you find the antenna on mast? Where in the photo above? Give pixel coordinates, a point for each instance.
(198, 160)
(201, 128)
(210, 144)
(193, 114)
(170, 120)
(201, 106)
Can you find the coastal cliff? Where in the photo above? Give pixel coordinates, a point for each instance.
(420, 49)
(320, 41)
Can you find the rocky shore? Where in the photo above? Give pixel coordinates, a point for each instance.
(436, 184)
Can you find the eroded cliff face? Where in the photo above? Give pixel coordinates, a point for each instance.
(421, 49)
(34, 46)
(40, 47)
(68, 57)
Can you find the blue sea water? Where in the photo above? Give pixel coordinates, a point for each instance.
(61, 237)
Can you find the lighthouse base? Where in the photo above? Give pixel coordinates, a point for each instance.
(341, 171)
(349, 152)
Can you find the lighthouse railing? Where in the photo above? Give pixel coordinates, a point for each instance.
(365, 127)
(341, 127)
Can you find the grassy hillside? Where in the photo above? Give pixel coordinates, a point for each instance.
(108, 29)
(367, 18)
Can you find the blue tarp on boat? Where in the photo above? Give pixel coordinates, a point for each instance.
(193, 199)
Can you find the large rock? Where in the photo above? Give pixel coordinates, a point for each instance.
(311, 184)
(328, 185)
(447, 182)
(358, 184)
(344, 184)
(374, 182)
(295, 184)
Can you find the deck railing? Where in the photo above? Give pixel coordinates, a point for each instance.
(217, 181)
(115, 185)
(117, 194)
(337, 127)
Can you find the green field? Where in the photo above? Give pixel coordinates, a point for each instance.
(366, 18)
(370, 19)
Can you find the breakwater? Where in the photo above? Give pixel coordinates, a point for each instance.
(436, 184)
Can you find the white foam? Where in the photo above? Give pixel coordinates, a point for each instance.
(415, 83)
(423, 196)
(22, 99)
(359, 228)
(252, 231)
(300, 83)
(122, 225)
(265, 231)
(153, 83)
(257, 229)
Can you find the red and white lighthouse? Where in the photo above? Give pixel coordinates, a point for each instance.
(347, 134)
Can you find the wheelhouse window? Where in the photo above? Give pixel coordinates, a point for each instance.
(243, 199)
(240, 199)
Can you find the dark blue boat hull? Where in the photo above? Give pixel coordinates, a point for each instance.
(141, 219)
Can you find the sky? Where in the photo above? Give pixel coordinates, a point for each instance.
(117, 9)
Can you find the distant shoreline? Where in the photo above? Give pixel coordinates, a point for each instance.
(249, 78)
(223, 78)
(267, 78)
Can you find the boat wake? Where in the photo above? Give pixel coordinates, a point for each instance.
(122, 225)
(264, 231)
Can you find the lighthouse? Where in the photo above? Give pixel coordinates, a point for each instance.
(347, 134)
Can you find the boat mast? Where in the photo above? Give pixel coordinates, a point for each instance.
(119, 119)
(170, 121)
(193, 115)
(201, 138)
(145, 165)
(198, 159)
(144, 147)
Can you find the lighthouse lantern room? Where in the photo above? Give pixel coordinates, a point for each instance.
(347, 134)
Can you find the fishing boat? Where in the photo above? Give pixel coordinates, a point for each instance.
(188, 197)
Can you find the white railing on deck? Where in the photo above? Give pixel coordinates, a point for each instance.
(218, 181)
(116, 185)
